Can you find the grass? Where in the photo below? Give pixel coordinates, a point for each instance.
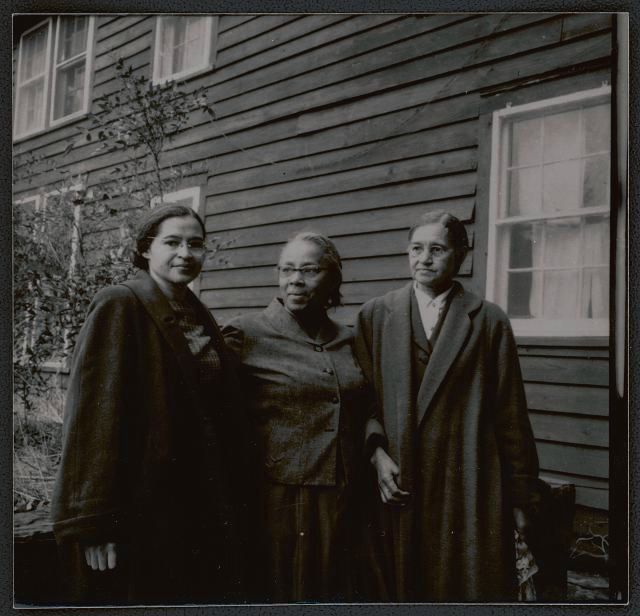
(37, 443)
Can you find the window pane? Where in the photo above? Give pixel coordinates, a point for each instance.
(595, 293)
(31, 107)
(525, 246)
(526, 142)
(597, 129)
(33, 60)
(182, 44)
(560, 294)
(561, 186)
(524, 191)
(195, 28)
(562, 135)
(596, 240)
(69, 93)
(72, 37)
(519, 294)
(596, 181)
(562, 247)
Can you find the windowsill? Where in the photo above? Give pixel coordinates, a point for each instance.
(58, 124)
(180, 77)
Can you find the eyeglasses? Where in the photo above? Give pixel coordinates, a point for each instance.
(307, 271)
(436, 252)
(196, 247)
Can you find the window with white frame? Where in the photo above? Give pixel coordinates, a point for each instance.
(53, 73)
(185, 196)
(184, 45)
(549, 215)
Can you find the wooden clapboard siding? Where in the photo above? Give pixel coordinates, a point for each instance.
(568, 397)
(574, 429)
(353, 125)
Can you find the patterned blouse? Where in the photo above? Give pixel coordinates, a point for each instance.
(200, 344)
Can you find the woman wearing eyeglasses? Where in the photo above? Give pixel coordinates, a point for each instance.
(307, 401)
(144, 506)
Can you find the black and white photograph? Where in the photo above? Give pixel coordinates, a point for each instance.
(320, 308)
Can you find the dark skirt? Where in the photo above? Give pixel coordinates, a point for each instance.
(305, 546)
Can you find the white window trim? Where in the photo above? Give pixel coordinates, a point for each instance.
(61, 364)
(192, 192)
(497, 188)
(75, 232)
(88, 53)
(49, 88)
(209, 55)
(47, 74)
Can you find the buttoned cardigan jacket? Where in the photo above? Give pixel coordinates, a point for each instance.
(305, 397)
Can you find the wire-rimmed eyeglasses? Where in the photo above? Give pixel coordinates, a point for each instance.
(195, 246)
(307, 271)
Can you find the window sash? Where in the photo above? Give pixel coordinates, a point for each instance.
(59, 111)
(166, 47)
(30, 114)
(501, 222)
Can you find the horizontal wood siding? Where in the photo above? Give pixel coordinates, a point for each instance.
(354, 125)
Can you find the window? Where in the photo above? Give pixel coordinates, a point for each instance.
(183, 46)
(185, 196)
(54, 73)
(549, 215)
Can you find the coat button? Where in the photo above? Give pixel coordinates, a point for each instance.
(327, 370)
(317, 347)
(335, 400)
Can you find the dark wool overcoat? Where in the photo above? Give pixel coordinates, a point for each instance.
(151, 461)
(464, 445)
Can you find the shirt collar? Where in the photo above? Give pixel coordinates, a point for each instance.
(426, 301)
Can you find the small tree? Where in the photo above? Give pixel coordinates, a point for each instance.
(79, 240)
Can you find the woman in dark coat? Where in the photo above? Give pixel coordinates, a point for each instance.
(307, 402)
(144, 507)
(452, 447)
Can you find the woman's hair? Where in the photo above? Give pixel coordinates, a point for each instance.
(455, 230)
(330, 257)
(150, 224)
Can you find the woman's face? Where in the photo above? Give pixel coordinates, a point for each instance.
(310, 288)
(176, 253)
(432, 258)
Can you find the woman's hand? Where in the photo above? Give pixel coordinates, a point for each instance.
(522, 521)
(388, 473)
(101, 557)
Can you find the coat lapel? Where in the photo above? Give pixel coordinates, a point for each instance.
(454, 333)
(157, 305)
(396, 353)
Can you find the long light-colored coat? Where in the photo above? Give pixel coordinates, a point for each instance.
(464, 446)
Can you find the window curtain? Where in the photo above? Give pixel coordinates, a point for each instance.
(555, 293)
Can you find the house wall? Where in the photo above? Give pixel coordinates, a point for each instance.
(353, 125)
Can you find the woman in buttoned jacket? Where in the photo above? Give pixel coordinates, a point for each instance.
(307, 401)
(144, 507)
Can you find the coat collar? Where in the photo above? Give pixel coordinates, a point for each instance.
(396, 344)
(157, 305)
(454, 333)
(285, 322)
